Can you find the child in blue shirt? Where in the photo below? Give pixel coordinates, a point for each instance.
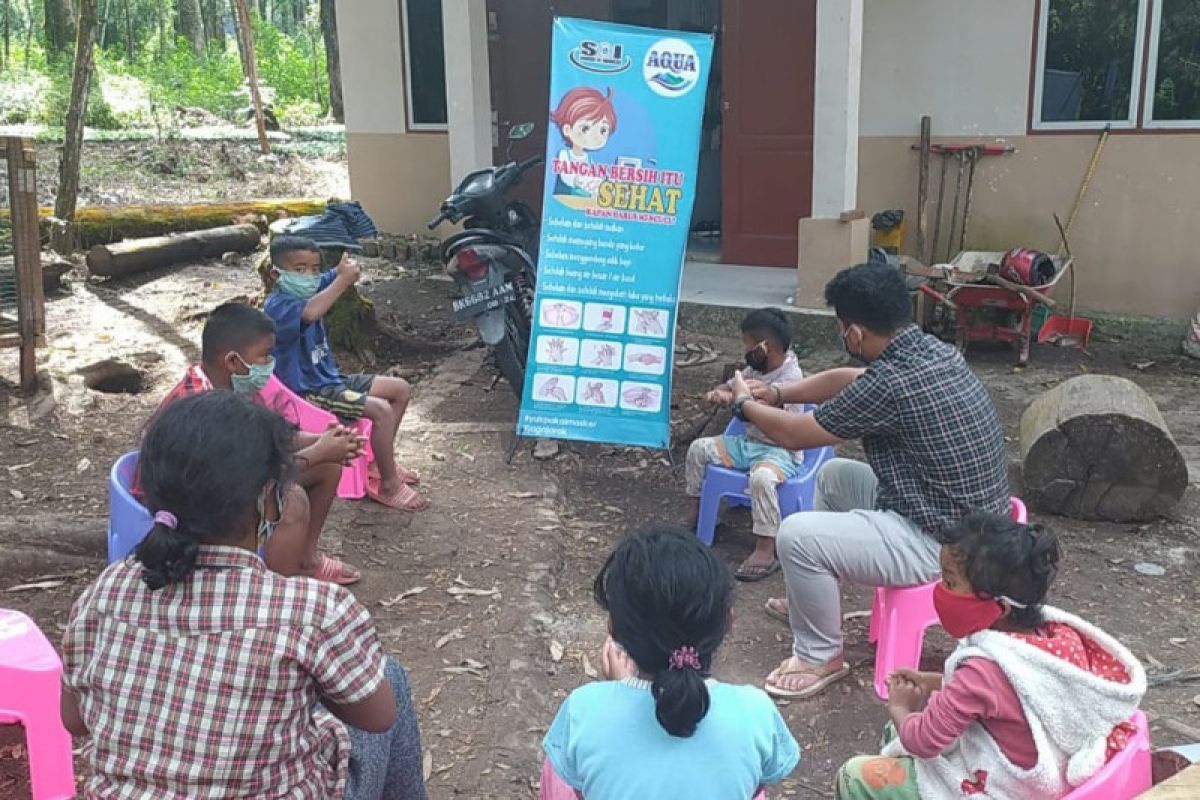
(299, 300)
(659, 726)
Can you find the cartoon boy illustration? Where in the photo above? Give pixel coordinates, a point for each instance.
(585, 117)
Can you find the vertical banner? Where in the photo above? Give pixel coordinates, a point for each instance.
(625, 115)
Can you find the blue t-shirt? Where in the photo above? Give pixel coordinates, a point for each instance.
(303, 357)
(607, 743)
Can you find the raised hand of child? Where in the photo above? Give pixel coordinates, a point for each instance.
(348, 269)
(615, 663)
(905, 695)
(930, 681)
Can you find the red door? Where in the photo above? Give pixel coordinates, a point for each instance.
(767, 140)
(519, 65)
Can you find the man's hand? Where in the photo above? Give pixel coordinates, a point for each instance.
(929, 681)
(904, 695)
(348, 269)
(615, 663)
(719, 397)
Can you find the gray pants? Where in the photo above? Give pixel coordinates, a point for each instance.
(844, 540)
(387, 766)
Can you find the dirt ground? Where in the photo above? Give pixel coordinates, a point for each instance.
(490, 667)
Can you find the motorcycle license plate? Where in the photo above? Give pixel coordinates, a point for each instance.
(484, 300)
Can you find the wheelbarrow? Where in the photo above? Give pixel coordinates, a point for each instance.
(988, 308)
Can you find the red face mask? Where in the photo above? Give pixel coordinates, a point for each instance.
(964, 614)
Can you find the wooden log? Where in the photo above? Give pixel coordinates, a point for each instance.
(105, 224)
(136, 255)
(1096, 447)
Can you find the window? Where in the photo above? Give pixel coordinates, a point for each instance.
(1100, 61)
(424, 64)
(1173, 83)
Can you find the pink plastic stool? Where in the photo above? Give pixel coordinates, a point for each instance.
(310, 419)
(1127, 775)
(900, 617)
(30, 692)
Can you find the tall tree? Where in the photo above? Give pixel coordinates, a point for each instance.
(332, 58)
(81, 81)
(60, 27)
(7, 33)
(130, 35)
(191, 24)
(246, 36)
(214, 24)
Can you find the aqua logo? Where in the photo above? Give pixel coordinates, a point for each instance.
(605, 58)
(671, 68)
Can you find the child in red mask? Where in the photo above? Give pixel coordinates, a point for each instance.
(1033, 701)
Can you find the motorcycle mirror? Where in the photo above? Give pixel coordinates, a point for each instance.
(518, 132)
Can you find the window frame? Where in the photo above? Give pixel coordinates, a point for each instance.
(1137, 78)
(1151, 79)
(411, 125)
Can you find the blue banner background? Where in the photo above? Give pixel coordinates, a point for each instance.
(626, 106)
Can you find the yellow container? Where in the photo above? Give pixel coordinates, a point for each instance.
(890, 239)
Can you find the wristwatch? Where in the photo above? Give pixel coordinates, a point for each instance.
(739, 406)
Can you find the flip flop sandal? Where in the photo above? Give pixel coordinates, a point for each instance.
(753, 573)
(333, 570)
(403, 499)
(778, 610)
(409, 476)
(811, 688)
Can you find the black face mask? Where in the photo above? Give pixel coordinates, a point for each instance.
(756, 359)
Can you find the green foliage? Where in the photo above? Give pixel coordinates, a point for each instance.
(57, 100)
(295, 113)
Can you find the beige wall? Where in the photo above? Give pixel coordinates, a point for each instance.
(1135, 240)
(399, 177)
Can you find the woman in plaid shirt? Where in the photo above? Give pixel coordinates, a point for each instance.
(194, 671)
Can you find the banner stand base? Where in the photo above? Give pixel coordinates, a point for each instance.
(518, 438)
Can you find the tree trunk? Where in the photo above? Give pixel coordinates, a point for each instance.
(214, 24)
(332, 58)
(130, 37)
(81, 80)
(102, 34)
(60, 27)
(7, 33)
(237, 36)
(247, 35)
(191, 24)
(165, 43)
(138, 255)
(1096, 447)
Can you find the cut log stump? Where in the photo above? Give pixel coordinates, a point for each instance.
(136, 255)
(1096, 447)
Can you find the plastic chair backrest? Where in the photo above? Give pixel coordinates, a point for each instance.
(277, 396)
(1127, 774)
(128, 520)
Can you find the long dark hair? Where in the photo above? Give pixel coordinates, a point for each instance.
(205, 460)
(664, 591)
(1000, 556)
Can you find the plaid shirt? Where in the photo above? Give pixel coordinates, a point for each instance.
(209, 688)
(194, 382)
(929, 429)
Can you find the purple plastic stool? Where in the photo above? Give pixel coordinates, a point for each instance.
(900, 617)
(30, 693)
(795, 494)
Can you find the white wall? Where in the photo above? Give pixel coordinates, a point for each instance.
(963, 62)
(372, 65)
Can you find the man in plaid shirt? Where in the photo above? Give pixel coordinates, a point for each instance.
(934, 447)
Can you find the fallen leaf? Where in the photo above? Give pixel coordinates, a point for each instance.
(466, 591)
(16, 467)
(391, 601)
(83, 465)
(849, 615)
(427, 764)
(26, 587)
(556, 651)
(513, 495)
(473, 664)
(457, 633)
(588, 669)
(1178, 641)
(467, 456)
(17, 494)
(438, 456)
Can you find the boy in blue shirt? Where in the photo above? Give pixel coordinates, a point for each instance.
(299, 300)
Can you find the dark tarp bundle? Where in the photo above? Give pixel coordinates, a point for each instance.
(341, 225)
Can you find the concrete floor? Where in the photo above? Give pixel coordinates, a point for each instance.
(733, 286)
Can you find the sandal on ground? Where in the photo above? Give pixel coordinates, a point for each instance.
(409, 476)
(752, 572)
(777, 608)
(334, 570)
(812, 679)
(403, 499)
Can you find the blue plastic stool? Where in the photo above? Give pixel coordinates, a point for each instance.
(128, 520)
(795, 494)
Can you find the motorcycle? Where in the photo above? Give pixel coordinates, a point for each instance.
(493, 259)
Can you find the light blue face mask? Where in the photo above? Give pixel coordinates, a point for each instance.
(254, 381)
(298, 284)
